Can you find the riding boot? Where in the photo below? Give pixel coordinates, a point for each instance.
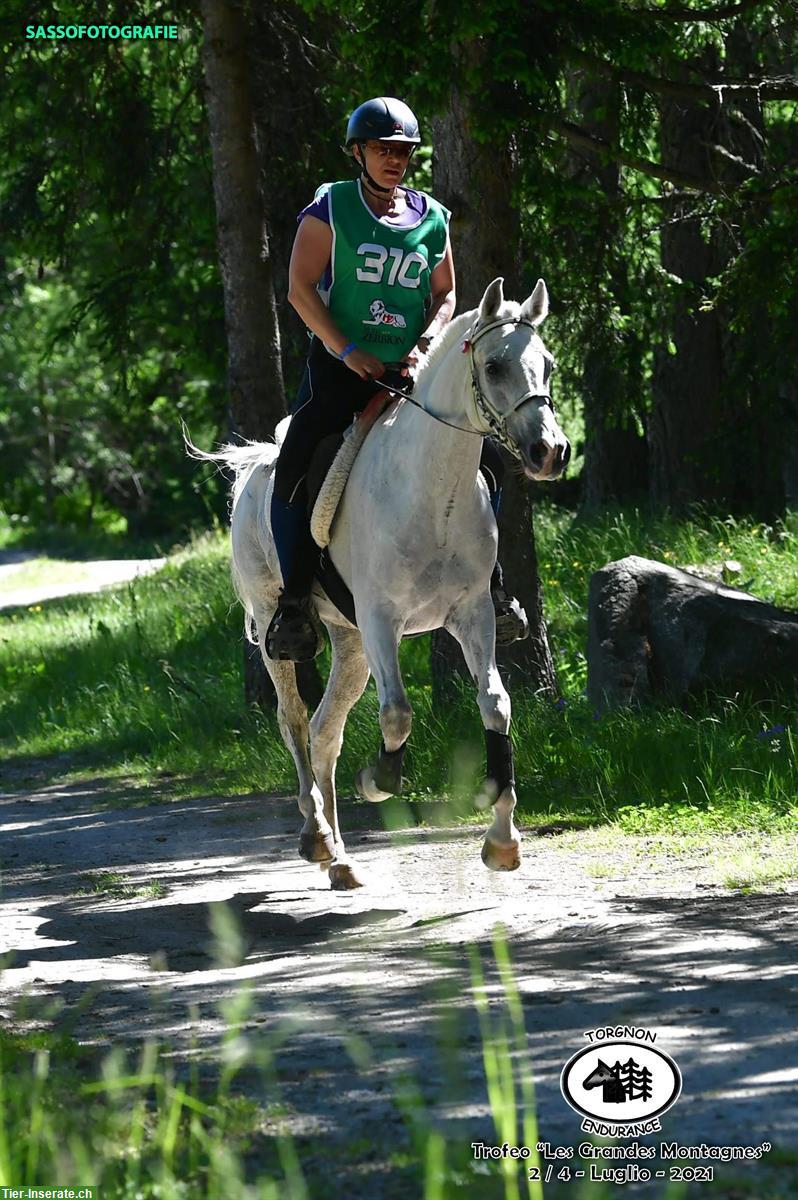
(295, 633)
(511, 621)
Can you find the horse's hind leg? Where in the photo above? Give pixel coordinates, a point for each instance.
(474, 629)
(348, 677)
(316, 841)
(382, 779)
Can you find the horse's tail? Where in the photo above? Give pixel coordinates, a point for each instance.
(243, 461)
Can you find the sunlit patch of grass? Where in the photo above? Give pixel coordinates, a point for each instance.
(104, 539)
(117, 886)
(604, 870)
(759, 865)
(744, 860)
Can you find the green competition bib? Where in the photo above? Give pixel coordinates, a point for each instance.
(380, 289)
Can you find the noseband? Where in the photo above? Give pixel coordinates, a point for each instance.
(485, 411)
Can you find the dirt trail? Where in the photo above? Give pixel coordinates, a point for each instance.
(89, 576)
(713, 972)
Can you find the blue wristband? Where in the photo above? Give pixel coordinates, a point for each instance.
(347, 350)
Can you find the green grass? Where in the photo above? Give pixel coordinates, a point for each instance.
(143, 682)
(116, 887)
(139, 1126)
(134, 1129)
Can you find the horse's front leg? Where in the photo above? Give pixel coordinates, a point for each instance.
(379, 780)
(474, 627)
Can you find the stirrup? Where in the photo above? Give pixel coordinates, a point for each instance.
(295, 633)
(511, 620)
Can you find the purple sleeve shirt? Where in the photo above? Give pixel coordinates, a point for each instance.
(416, 207)
(319, 208)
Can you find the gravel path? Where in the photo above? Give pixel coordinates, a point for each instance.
(663, 946)
(93, 576)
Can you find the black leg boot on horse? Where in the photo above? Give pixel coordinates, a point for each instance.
(511, 619)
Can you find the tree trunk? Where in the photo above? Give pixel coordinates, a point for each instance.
(700, 418)
(688, 425)
(297, 143)
(475, 180)
(615, 453)
(254, 373)
(257, 397)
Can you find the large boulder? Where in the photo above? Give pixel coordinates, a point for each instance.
(656, 631)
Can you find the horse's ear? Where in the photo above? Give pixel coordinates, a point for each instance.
(535, 308)
(492, 301)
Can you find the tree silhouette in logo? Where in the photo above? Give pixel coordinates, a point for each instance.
(624, 1081)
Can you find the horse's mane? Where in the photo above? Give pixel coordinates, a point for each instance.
(457, 329)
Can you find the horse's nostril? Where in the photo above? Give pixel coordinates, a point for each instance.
(537, 453)
(566, 458)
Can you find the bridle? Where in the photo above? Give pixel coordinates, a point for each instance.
(484, 410)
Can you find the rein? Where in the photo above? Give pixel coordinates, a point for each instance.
(393, 391)
(484, 410)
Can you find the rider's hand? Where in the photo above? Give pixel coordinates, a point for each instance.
(364, 364)
(414, 356)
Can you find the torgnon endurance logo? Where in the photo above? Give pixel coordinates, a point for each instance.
(621, 1087)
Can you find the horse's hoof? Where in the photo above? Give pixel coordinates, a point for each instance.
(367, 789)
(344, 876)
(316, 847)
(501, 858)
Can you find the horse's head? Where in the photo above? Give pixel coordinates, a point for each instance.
(511, 369)
(601, 1074)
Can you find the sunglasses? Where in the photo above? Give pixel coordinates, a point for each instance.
(391, 150)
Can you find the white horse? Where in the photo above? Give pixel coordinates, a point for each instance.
(415, 540)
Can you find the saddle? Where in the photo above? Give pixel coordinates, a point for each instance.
(331, 464)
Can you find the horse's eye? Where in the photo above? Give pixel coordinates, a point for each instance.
(492, 369)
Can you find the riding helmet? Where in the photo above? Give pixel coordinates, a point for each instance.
(385, 119)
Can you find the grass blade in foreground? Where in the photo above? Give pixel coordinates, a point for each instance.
(498, 1059)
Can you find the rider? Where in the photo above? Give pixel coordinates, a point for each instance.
(372, 276)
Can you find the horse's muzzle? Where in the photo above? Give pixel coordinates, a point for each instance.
(546, 462)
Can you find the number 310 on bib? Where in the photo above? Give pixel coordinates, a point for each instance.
(375, 258)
